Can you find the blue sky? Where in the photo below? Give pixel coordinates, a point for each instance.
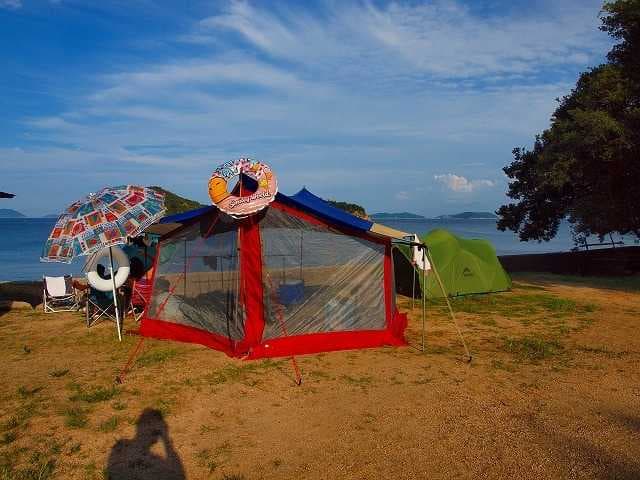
(398, 106)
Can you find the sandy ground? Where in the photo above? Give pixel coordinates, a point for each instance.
(553, 392)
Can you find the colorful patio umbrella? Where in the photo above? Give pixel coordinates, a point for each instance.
(102, 220)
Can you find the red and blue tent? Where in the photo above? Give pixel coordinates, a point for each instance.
(299, 277)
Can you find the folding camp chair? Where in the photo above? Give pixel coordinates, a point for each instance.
(59, 295)
(100, 306)
(139, 299)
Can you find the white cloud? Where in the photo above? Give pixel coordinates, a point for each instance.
(460, 184)
(442, 38)
(341, 101)
(11, 4)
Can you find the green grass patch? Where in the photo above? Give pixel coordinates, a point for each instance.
(93, 394)
(207, 460)
(8, 437)
(165, 405)
(156, 356)
(212, 459)
(520, 305)
(422, 381)
(320, 374)
(357, 381)
(26, 392)
(59, 373)
(40, 466)
(435, 349)
(500, 365)
(9, 424)
(532, 348)
(119, 406)
(75, 417)
(75, 448)
(488, 322)
(23, 413)
(243, 373)
(601, 351)
(109, 425)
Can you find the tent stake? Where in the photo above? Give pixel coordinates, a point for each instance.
(297, 370)
(134, 353)
(453, 316)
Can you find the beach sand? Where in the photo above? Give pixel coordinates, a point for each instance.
(553, 392)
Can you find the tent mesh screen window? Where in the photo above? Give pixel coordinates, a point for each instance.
(317, 279)
(197, 278)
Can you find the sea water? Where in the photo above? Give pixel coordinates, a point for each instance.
(21, 242)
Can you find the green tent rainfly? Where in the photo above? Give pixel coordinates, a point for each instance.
(465, 267)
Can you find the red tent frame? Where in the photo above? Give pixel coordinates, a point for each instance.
(253, 346)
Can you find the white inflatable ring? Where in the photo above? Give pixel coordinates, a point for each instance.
(240, 206)
(103, 284)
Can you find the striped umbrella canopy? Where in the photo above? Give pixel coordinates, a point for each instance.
(102, 220)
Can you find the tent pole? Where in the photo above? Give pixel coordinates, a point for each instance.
(453, 316)
(424, 296)
(115, 293)
(301, 243)
(413, 293)
(239, 279)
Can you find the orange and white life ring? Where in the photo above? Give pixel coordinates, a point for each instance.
(242, 205)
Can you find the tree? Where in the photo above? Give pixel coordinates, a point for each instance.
(352, 208)
(586, 165)
(175, 203)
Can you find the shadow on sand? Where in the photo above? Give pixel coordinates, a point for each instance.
(134, 460)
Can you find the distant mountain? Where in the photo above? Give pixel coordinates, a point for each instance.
(175, 203)
(8, 213)
(469, 216)
(397, 216)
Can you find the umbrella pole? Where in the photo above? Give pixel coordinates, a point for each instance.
(424, 295)
(115, 294)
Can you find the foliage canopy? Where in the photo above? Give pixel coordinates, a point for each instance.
(586, 165)
(175, 203)
(352, 208)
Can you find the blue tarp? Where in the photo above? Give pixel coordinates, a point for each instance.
(186, 216)
(308, 202)
(304, 200)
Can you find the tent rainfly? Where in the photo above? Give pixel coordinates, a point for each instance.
(298, 277)
(466, 266)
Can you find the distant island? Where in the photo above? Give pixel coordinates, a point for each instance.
(9, 213)
(397, 216)
(408, 217)
(175, 203)
(468, 216)
(352, 208)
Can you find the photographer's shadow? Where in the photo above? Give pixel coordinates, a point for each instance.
(134, 460)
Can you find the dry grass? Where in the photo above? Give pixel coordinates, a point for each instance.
(552, 393)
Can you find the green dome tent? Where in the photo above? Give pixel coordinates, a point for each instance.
(465, 267)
